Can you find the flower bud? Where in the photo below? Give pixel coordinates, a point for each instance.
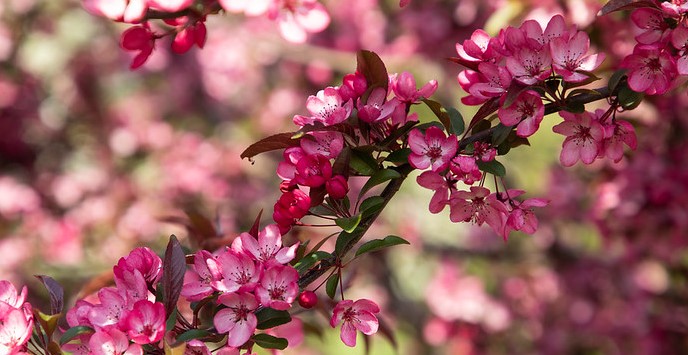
(308, 299)
(337, 187)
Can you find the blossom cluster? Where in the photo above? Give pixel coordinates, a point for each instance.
(310, 164)
(184, 20)
(124, 317)
(660, 58)
(16, 318)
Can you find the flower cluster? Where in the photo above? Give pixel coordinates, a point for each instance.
(16, 319)
(515, 67)
(184, 20)
(369, 113)
(661, 55)
(124, 317)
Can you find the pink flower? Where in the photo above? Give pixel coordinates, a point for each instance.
(556, 28)
(112, 341)
(198, 280)
(436, 182)
(477, 48)
(291, 207)
(16, 325)
(433, 150)
(465, 169)
(328, 144)
(359, 315)
(131, 11)
(138, 39)
(404, 87)
(484, 151)
(313, 170)
(113, 307)
(79, 314)
(268, 247)
(239, 272)
(286, 169)
(142, 259)
(530, 64)
(526, 111)
(278, 288)
(616, 134)
(297, 18)
(8, 294)
(249, 7)
(337, 187)
(679, 38)
(477, 206)
(145, 323)
(584, 136)
(650, 69)
(652, 21)
(170, 5)
(327, 107)
(188, 34)
(353, 86)
(497, 81)
(197, 347)
(376, 108)
(238, 319)
(521, 217)
(568, 57)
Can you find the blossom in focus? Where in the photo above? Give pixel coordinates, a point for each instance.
(526, 111)
(326, 107)
(404, 87)
(278, 288)
(433, 150)
(359, 315)
(268, 247)
(650, 69)
(145, 323)
(238, 319)
(584, 135)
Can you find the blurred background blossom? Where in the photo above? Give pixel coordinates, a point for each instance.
(96, 159)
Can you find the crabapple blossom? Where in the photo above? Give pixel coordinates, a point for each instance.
(530, 64)
(568, 57)
(313, 170)
(477, 48)
(278, 288)
(337, 187)
(584, 137)
(376, 109)
(286, 169)
(404, 87)
(650, 69)
(189, 33)
(238, 319)
(239, 272)
(679, 38)
(353, 86)
(298, 18)
(465, 169)
(9, 295)
(138, 39)
(268, 247)
(199, 279)
(326, 107)
(438, 183)
(652, 22)
(112, 341)
(526, 111)
(142, 259)
(521, 216)
(249, 7)
(145, 323)
(16, 319)
(169, 5)
(131, 11)
(327, 144)
(484, 151)
(291, 207)
(477, 206)
(616, 134)
(112, 308)
(431, 150)
(359, 315)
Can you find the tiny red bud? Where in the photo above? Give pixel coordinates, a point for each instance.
(308, 299)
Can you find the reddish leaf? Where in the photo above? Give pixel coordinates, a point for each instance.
(55, 291)
(274, 142)
(341, 163)
(373, 69)
(256, 225)
(317, 195)
(618, 5)
(174, 268)
(488, 108)
(466, 63)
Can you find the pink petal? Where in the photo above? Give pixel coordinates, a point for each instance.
(348, 334)
(367, 323)
(316, 19)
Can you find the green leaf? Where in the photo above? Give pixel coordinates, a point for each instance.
(615, 79)
(629, 99)
(342, 240)
(274, 142)
(270, 318)
(331, 286)
(363, 163)
(456, 119)
(171, 321)
(48, 321)
(267, 341)
(309, 260)
(378, 244)
(192, 334)
(440, 113)
(574, 107)
(371, 205)
(493, 167)
(500, 134)
(73, 332)
(378, 178)
(348, 224)
(399, 156)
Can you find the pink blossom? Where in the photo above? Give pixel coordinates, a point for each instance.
(188, 34)
(16, 325)
(238, 319)
(675, 8)
(433, 150)
(616, 134)
(313, 170)
(142, 259)
(9, 295)
(477, 206)
(138, 39)
(650, 69)
(526, 111)
(113, 307)
(377, 108)
(239, 272)
(297, 18)
(438, 183)
(465, 169)
(652, 22)
(268, 247)
(327, 107)
(679, 38)
(112, 341)
(249, 7)
(484, 151)
(477, 48)
(353, 86)
(556, 28)
(291, 207)
(278, 288)
(337, 187)
(145, 323)
(497, 81)
(79, 314)
(359, 315)
(286, 169)
(530, 64)
(584, 136)
(132, 285)
(170, 5)
(521, 216)
(328, 144)
(404, 87)
(131, 11)
(198, 280)
(568, 57)
(197, 347)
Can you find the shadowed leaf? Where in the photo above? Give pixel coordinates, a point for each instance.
(174, 267)
(274, 142)
(55, 291)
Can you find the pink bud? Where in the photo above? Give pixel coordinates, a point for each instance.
(308, 299)
(337, 187)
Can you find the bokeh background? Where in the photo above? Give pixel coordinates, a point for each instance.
(96, 159)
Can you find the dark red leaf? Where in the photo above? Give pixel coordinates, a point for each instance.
(466, 63)
(317, 195)
(256, 225)
(267, 144)
(55, 291)
(373, 69)
(488, 108)
(618, 5)
(174, 267)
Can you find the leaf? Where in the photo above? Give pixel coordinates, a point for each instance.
(399, 156)
(489, 107)
(371, 205)
(55, 291)
(274, 142)
(331, 286)
(466, 63)
(266, 341)
(348, 224)
(618, 5)
(309, 260)
(456, 119)
(317, 195)
(440, 113)
(500, 134)
(171, 321)
(343, 239)
(378, 244)
(629, 99)
(270, 318)
(481, 125)
(616, 79)
(174, 350)
(373, 69)
(192, 334)
(378, 178)
(256, 225)
(574, 107)
(74, 332)
(48, 321)
(342, 162)
(493, 167)
(174, 267)
(363, 163)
